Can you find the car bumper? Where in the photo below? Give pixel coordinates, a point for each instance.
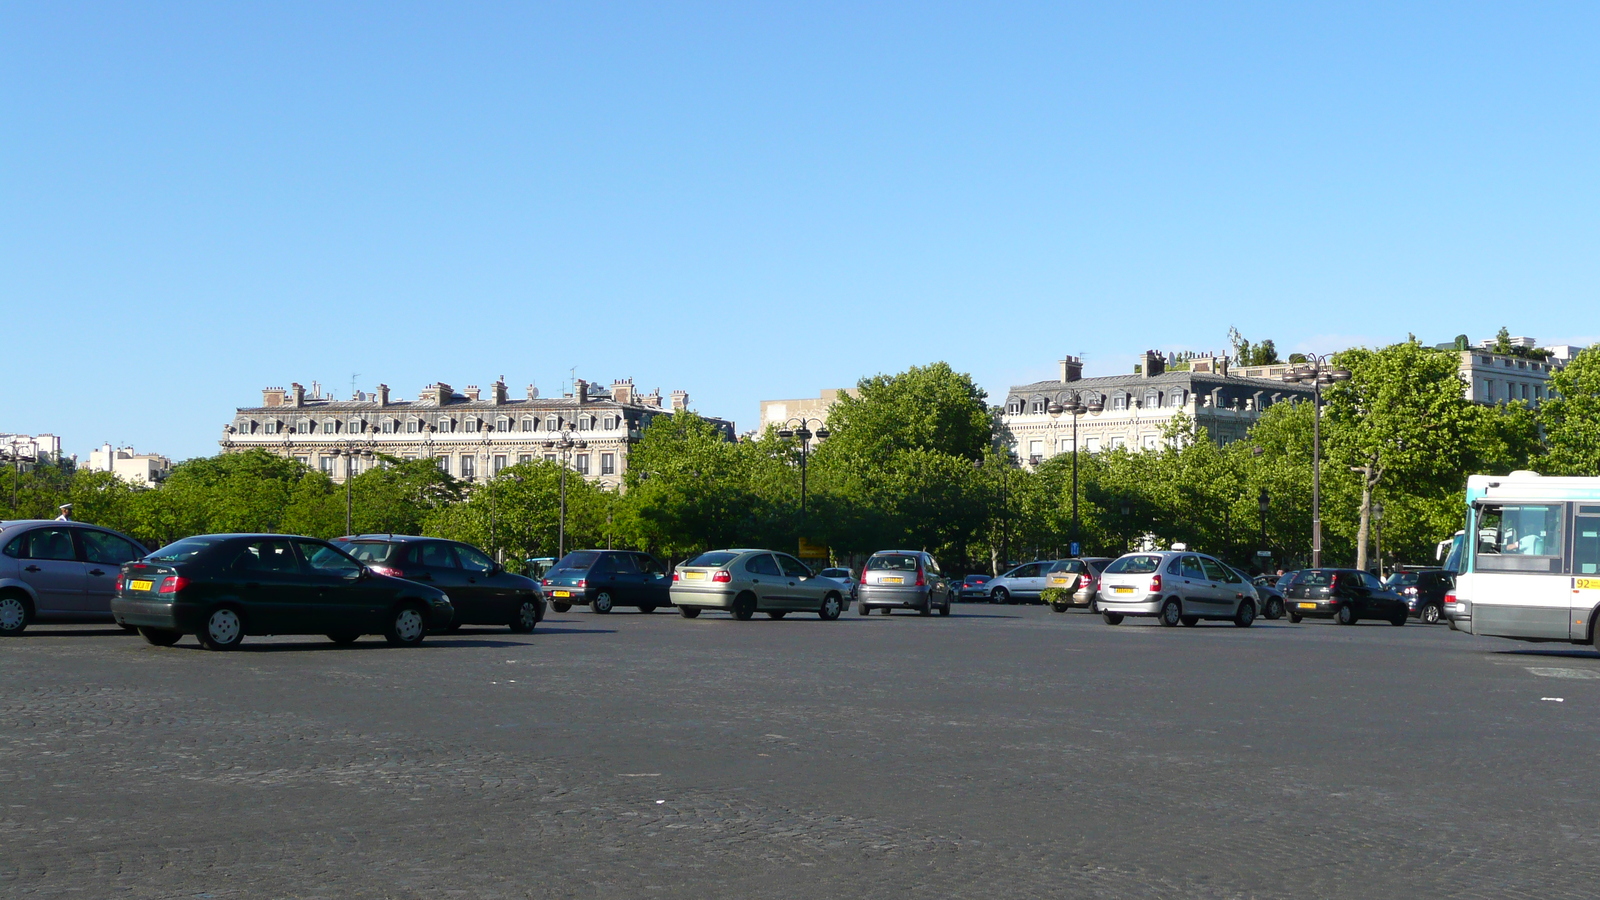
(1459, 615)
(155, 614)
(876, 597)
(1134, 606)
(1319, 611)
(702, 598)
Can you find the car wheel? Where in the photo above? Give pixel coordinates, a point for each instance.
(1171, 612)
(126, 627)
(927, 607)
(689, 612)
(558, 606)
(160, 637)
(831, 607)
(407, 626)
(744, 607)
(1246, 614)
(343, 638)
(886, 610)
(1429, 615)
(863, 609)
(1399, 618)
(527, 617)
(945, 609)
(1094, 606)
(647, 608)
(1190, 621)
(15, 614)
(1059, 606)
(1111, 618)
(223, 629)
(1345, 616)
(1000, 595)
(1274, 609)
(777, 614)
(1296, 618)
(601, 603)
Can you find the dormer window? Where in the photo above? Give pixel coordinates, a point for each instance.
(470, 425)
(529, 423)
(388, 426)
(445, 425)
(1152, 399)
(411, 426)
(270, 426)
(502, 424)
(1120, 401)
(1038, 406)
(551, 423)
(354, 427)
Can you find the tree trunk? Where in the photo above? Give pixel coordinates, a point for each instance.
(1370, 474)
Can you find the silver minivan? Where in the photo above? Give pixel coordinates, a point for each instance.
(1175, 586)
(903, 579)
(745, 582)
(1025, 582)
(59, 571)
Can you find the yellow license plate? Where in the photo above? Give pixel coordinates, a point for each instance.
(694, 576)
(1306, 605)
(1122, 590)
(1589, 584)
(1058, 581)
(139, 585)
(561, 593)
(894, 581)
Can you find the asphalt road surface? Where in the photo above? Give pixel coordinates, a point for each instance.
(1001, 752)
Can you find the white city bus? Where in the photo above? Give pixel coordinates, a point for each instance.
(1534, 571)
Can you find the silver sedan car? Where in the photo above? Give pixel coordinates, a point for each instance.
(903, 579)
(745, 582)
(1176, 586)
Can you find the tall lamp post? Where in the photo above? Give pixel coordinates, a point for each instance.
(805, 434)
(566, 443)
(1008, 460)
(350, 452)
(1316, 371)
(1076, 408)
(1377, 517)
(16, 459)
(1263, 503)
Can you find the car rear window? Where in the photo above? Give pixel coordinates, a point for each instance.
(1139, 564)
(1404, 579)
(184, 550)
(977, 579)
(368, 551)
(1317, 578)
(892, 563)
(1068, 565)
(712, 559)
(579, 560)
(835, 573)
(1099, 565)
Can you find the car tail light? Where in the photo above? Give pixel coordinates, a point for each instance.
(582, 582)
(173, 584)
(675, 576)
(545, 582)
(1450, 598)
(722, 576)
(119, 584)
(1333, 582)
(1155, 583)
(922, 579)
(863, 576)
(390, 571)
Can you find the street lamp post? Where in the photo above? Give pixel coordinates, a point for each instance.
(566, 442)
(805, 434)
(1377, 517)
(1317, 371)
(350, 453)
(1263, 503)
(1007, 461)
(1076, 408)
(16, 458)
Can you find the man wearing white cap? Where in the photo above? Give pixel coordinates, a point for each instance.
(66, 513)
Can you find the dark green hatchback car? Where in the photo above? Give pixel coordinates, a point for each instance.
(221, 587)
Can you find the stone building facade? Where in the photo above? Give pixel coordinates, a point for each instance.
(472, 436)
(1139, 407)
(779, 413)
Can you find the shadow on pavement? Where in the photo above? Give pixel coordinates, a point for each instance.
(103, 631)
(1568, 653)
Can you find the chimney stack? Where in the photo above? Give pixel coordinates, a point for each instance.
(472, 392)
(1071, 369)
(622, 391)
(383, 395)
(1154, 363)
(499, 388)
(580, 391)
(680, 401)
(533, 392)
(272, 396)
(297, 394)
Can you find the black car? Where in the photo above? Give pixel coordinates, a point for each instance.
(221, 587)
(482, 592)
(974, 589)
(1344, 595)
(1271, 598)
(604, 579)
(1423, 590)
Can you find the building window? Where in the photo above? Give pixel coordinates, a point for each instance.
(549, 457)
(1152, 400)
(1176, 398)
(611, 422)
(328, 427)
(444, 424)
(303, 460)
(581, 463)
(304, 427)
(1120, 401)
(499, 463)
(502, 424)
(551, 423)
(1150, 441)
(388, 426)
(1066, 446)
(608, 464)
(1091, 445)
(270, 426)
(469, 466)
(583, 423)
(530, 424)
(524, 458)
(411, 426)
(1036, 450)
(1118, 442)
(327, 465)
(444, 464)
(470, 425)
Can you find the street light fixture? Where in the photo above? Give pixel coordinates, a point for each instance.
(566, 441)
(1316, 371)
(350, 453)
(1008, 461)
(17, 459)
(805, 434)
(1076, 408)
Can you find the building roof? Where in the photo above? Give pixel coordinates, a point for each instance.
(1136, 383)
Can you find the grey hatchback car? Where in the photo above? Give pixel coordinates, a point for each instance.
(57, 571)
(903, 579)
(745, 582)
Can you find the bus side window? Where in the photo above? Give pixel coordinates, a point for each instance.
(1586, 545)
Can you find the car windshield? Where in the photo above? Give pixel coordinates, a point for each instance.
(1068, 565)
(577, 560)
(1138, 564)
(712, 560)
(184, 550)
(892, 563)
(368, 551)
(1403, 579)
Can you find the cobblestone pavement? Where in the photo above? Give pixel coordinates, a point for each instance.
(1002, 752)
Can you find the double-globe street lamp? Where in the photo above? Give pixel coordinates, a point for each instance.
(1317, 370)
(351, 453)
(566, 441)
(1075, 408)
(805, 434)
(15, 457)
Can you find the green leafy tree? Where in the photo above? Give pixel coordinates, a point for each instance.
(517, 515)
(1571, 417)
(687, 487)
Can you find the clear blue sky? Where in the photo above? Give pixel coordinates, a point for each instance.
(754, 201)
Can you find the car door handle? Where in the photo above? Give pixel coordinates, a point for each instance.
(755, 581)
(471, 580)
(791, 584)
(31, 569)
(96, 572)
(422, 577)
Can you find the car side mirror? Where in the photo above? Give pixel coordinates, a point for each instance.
(363, 573)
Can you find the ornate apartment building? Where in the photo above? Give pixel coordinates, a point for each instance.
(472, 436)
(1138, 407)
